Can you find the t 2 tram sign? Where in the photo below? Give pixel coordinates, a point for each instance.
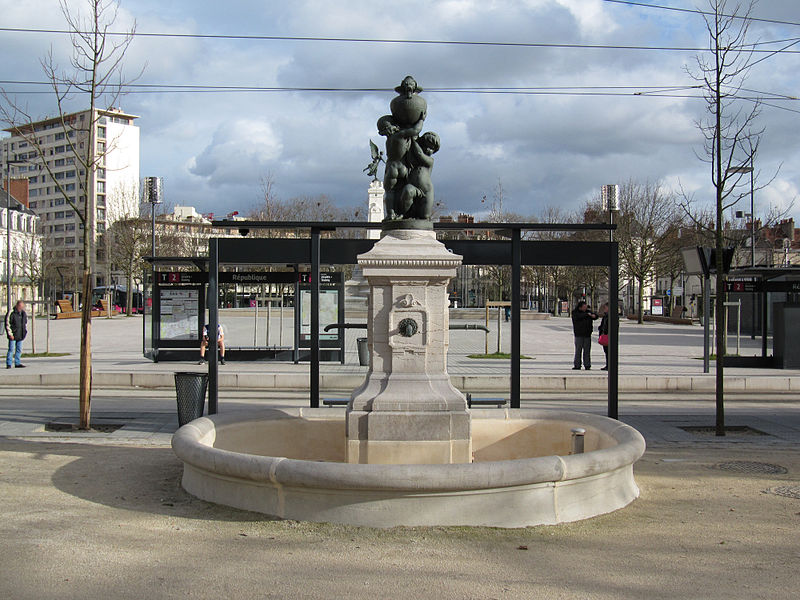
(762, 286)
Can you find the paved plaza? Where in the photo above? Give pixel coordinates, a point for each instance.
(102, 514)
(650, 349)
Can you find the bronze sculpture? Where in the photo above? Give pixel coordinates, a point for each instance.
(408, 189)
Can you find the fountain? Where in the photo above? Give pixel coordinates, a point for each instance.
(408, 451)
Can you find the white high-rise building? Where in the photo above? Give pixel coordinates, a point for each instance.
(114, 186)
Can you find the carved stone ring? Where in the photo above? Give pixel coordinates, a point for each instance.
(408, 327)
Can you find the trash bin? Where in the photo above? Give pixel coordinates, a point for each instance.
(363, 351)
(190, 390)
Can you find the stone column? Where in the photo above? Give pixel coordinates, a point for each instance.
(407, 411)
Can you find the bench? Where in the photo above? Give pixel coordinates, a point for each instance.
(104, 311)
(498, 402)
(65, 310)
(335, 401)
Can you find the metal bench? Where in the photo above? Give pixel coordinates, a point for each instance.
(335, 401)
(498, 402)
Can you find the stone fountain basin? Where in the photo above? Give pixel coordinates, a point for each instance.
(290, 464)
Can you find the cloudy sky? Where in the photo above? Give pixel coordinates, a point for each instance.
(546, 149)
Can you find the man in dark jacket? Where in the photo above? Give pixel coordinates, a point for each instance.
(582, 328)
(16, 330)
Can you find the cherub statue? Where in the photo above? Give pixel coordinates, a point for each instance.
(377, 158)
(416, 198)
(408, 191)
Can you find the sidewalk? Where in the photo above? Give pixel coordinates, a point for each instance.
(653, 357)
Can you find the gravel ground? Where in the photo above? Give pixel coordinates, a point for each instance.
(84, 520)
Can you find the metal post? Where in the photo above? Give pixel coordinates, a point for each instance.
(499, 325)
(8, 238)
(578, 435)
(516, 277)
(314, 370)
(255, 325)
(706, 321)
(764, 322)
(613, 330)
(213, 321)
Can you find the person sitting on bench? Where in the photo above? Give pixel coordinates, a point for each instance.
(220, 343)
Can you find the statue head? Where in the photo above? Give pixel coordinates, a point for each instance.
(386, 125)
(408, 87)
(429, 142)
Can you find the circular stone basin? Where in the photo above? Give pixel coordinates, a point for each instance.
(290, 464)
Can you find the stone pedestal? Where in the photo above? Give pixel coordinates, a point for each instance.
(407, 412)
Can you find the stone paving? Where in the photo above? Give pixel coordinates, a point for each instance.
(648, 349)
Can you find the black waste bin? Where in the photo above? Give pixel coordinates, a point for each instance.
(190, 390)
(363, 351)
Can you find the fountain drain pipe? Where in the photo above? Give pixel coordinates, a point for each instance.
(578, 434)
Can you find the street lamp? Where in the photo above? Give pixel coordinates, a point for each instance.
(152, 195)
(752, 212)
(743, 169)
(9, 162)
(610, 196)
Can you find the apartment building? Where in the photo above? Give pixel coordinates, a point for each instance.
(19, 231)
(64, 146)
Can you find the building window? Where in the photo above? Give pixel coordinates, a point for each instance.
(59, 201)
(70, 187)
(58, 228)
(60, 149)
(101, 146)
(69, 240)
(69, 227)
(101, 187)
(60, 214)
(101, 173)
(101, 214)
(33, 179)
(60, 136)
(101, 133)
(101, 227)
(101, 200)
(70, 173)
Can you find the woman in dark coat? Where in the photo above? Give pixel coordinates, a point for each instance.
(603, 330)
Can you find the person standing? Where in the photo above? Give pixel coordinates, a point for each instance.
(582, 327)
(16, 330)
(603, 331)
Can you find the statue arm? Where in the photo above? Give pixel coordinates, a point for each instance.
(419, 156)
(414, 130)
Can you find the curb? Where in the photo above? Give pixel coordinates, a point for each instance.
(333, 382)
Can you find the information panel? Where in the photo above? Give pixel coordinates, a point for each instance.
(328, 314)
(179, 314)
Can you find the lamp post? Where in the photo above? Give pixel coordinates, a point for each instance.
(9, 162)
(743, 169)
(610, 196)
(752, 211)
(152, 195)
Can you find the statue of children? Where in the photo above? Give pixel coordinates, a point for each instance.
(416, 198)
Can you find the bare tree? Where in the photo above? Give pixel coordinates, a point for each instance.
(731, 134)
(128, 241)
(647, 218)
(95, 77)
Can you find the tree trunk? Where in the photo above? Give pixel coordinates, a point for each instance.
(718, 239)
(86, 353)
(129, 295)
(640, 294)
